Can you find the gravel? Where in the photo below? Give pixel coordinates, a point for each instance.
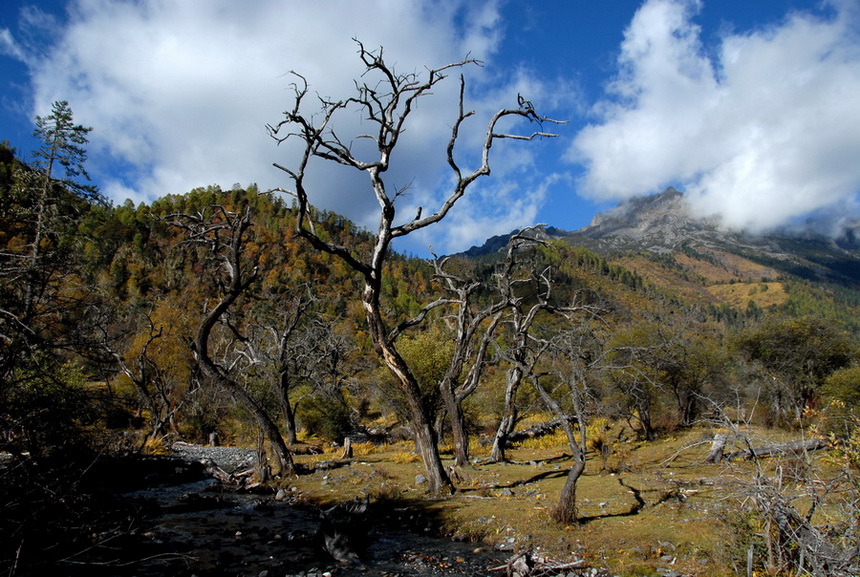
(231, 459)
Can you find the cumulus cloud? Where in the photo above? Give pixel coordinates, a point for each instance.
(179, 93)
(760, 130)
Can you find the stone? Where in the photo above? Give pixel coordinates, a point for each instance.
(420, 479)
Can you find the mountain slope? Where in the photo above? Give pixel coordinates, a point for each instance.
(663, 224)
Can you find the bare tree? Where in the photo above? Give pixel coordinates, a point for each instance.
(520, 354)
(576, 355)
(476, 328)
(386, 102)
(807, 510)
(277, 344)
(225, 238)
(151, 381)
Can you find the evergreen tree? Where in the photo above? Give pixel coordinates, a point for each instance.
(59, 163)
(45, 307)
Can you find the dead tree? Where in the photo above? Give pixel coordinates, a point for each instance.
(574, 356)
(521, 316)
(807, 512)
(278, 346)
(476, 328)
(225, 238)
(151, 382)
(793, 540)
(385, 100)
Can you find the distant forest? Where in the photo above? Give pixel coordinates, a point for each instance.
(99, 323)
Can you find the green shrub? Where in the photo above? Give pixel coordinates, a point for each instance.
(325, 416)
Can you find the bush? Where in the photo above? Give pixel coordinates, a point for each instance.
(46, 411)
(325, 416)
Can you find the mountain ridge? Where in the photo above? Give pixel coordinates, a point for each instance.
(664, 224)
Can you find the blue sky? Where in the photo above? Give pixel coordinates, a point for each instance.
(752, 108)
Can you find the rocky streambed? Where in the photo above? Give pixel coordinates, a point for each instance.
(181, 523)
(202, 528)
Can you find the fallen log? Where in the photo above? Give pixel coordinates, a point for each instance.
(238, 480)
(792, 448)
(528, 564)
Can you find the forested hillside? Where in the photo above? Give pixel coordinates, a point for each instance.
(121, 292)
(205, 316)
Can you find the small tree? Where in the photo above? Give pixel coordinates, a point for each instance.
(576, 357)
(385, 100)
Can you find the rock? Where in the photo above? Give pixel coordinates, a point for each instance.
(281, 495)
(343, 531)
(668, 545)
(420, 479)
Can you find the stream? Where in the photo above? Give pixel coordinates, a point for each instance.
(198, 528)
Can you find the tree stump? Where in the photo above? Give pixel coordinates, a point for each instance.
(717, 447)
(347, 449)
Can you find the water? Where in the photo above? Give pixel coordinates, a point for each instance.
(197, 529)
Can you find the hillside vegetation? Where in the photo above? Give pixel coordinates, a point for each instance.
(641, 360)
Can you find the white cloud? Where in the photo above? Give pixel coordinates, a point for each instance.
(179, 93)
(763, 130)
(8, 45)
(493, 208)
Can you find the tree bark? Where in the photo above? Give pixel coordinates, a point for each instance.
(566, 512)
(287, 408)
(778, 449)
(421, 420)
(509, 418)
(457, 420)
(717, 447)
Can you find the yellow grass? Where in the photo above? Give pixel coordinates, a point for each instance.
(763, 294)
(684, 524)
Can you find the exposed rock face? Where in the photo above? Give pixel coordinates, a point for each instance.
(659, 223)
(664, 223)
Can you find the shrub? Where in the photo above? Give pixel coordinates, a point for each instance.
(325, 416)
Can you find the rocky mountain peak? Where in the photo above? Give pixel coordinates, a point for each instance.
(658, 223)
(664, 223)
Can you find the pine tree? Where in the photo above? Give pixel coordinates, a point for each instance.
(59, 163)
